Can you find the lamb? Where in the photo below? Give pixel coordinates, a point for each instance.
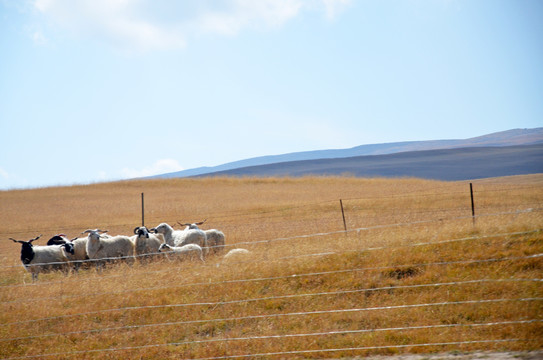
(38, 259)
(189, 251)
(146, 243)
(181, 237)
(215, 238)
(236, 253)
(99, 247)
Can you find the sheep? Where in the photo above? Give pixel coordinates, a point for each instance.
(80, 252)
(188, 251)
(100, 247)
(236, 253)
(58, 239)
(181, 237)
(215, 238)
(146, 243)
(38, 259)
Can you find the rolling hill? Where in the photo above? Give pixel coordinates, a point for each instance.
(511, 152)
(444, 164)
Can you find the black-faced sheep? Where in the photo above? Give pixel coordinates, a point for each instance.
(38, 259)
(146, 243)
(58, 239)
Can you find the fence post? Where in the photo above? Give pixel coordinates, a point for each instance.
(343, 214)
(142, 211)
(472, 203)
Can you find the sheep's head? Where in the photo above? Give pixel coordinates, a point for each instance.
(27, 253)
(161, 229)
(141, 231)
(69, 248)
(94, 234)
(193, 226)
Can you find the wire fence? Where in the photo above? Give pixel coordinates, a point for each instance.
(530, 208)
(354, 206)
(314, 235)
(244, 301)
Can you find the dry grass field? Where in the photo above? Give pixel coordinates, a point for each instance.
(413, 273)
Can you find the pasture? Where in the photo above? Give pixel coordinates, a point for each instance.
(413, 273)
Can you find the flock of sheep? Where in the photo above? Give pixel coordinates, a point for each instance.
(61, 252)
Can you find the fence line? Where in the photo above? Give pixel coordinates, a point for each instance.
(237, 214)
(440, 263)
(291, 296)
(363, 348)
(264, 337)
(278, 239)
(301, 313)
(357, 230)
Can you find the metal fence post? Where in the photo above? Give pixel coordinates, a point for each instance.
(472, 203)
(142, 211)
(343, 214)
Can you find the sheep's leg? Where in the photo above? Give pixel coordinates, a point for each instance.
(100, 266)
(66, 270)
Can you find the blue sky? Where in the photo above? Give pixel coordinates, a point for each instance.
(98, 90)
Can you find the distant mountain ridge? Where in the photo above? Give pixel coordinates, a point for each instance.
(500, 139)
(441, 164)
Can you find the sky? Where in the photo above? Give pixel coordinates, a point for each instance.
(102, 90)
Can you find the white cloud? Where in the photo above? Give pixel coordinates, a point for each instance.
(140, 25)
(9, 180)
(249, 13)
(334, 7)
(115, 21)
(159, 167)
(4, 174)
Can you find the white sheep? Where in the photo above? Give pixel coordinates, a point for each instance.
(146, 243)
(189, 251)
(181, 237)
(80, 252)
(100, 247)
(215, 238)
(38, 259)
(236, 253)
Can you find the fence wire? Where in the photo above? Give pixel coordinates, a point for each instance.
(518, 322)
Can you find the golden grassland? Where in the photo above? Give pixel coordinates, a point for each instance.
(412, 269)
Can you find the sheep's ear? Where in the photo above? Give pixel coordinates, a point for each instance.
(36, 238)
